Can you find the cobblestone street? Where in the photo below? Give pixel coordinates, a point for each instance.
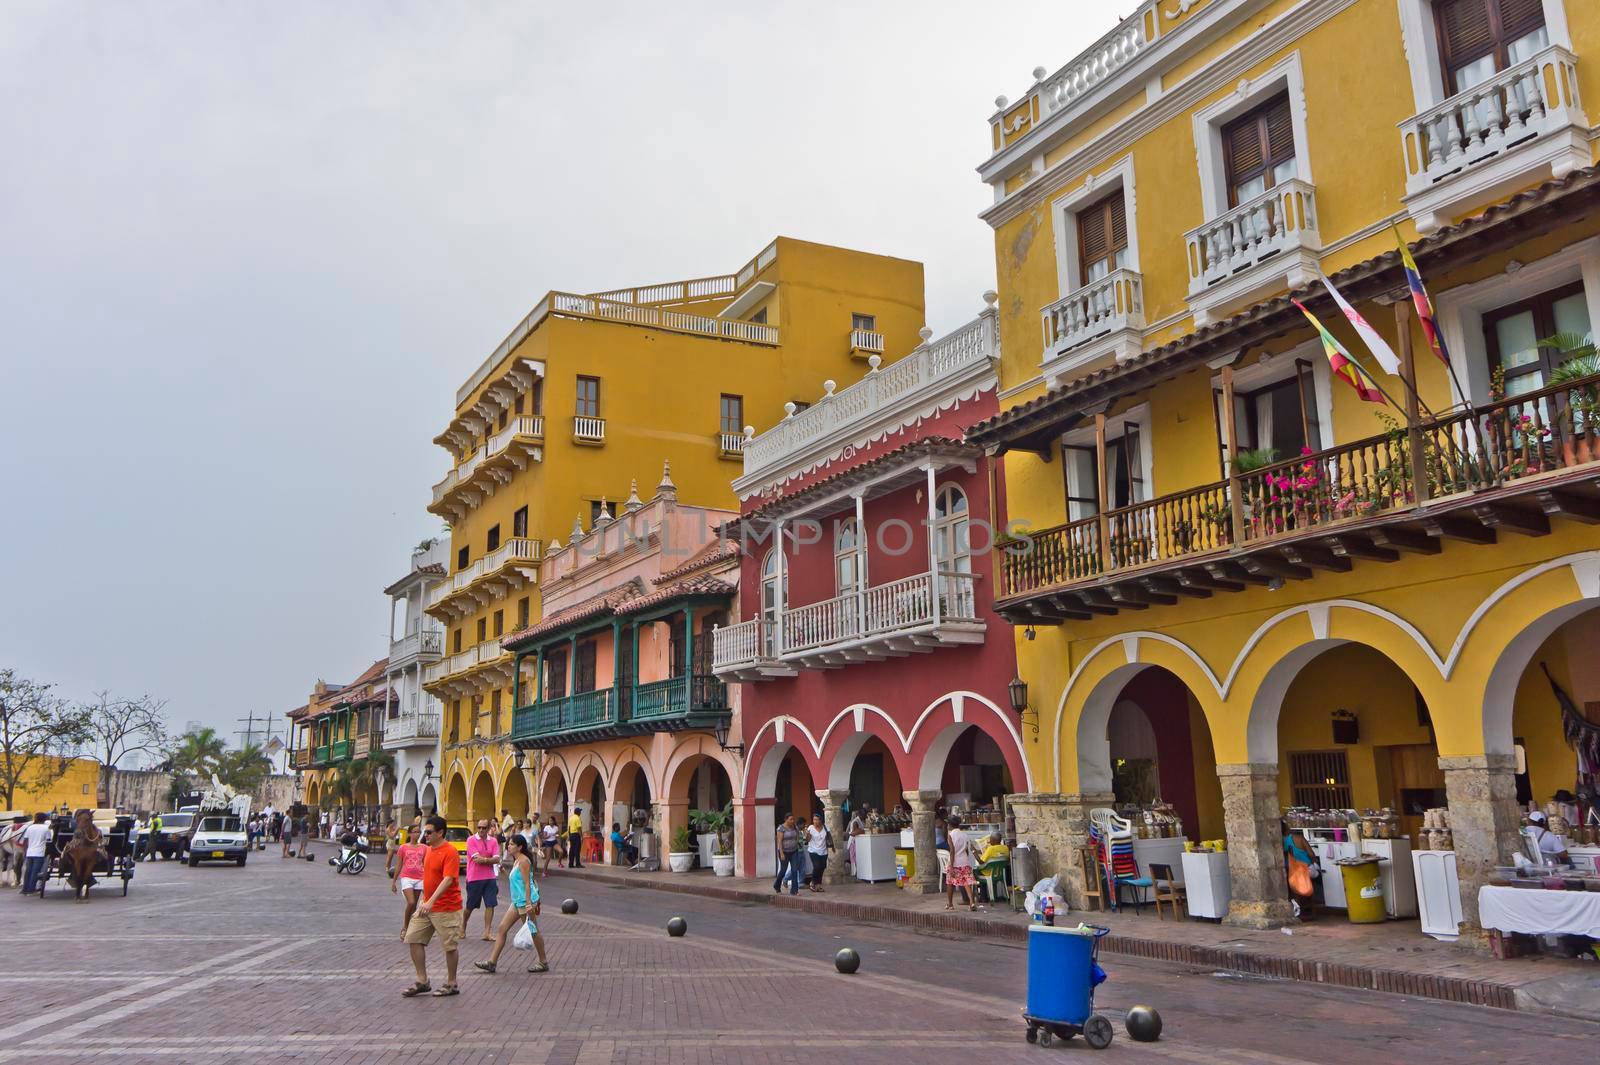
(285, 961)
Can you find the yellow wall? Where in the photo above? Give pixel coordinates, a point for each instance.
(76, 788)
(660, 396)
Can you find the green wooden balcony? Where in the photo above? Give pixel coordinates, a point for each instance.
(341, 750)
(676, 697)
(320, 755)
(656, 706)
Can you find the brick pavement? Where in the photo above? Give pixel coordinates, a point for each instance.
(284, 961)
(1394, 957)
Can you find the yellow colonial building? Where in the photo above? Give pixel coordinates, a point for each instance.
(1242, 586)
(554, 427)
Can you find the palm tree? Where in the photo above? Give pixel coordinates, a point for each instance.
(244, 769)
(198, 751)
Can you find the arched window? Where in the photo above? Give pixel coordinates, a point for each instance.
(773, 596)
(952, 542)
(849, 558)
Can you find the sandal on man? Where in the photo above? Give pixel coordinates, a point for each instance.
(539, 967)
(484, 966)
(446, 991)
(421, 988)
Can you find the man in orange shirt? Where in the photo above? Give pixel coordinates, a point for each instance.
(439, 910)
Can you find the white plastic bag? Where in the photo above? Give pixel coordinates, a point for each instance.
(524, 937)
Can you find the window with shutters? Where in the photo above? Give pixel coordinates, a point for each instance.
(1480, 38)
(1102, 237)
(1127, 465)
(588, 397)
(1258, 150)
(519, 523)
(583, 672)
(555, 673)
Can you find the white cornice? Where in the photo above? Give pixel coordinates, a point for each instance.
(1225, 70)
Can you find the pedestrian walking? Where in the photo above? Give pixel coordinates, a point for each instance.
(524, 907)
(35, 838)
(438, 913)
(960, 874)
(818, 844)
(287, 835)
(574, 839)
(483, 871)
(406, 878)
(549, 839)
(789, 850)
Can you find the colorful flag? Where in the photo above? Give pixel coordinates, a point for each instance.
(1419, 296)
(1376, 344)
(1344, 367)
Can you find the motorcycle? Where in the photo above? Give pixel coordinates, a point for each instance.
(352, 857)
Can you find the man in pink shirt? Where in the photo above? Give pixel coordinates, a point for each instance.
(483, 871)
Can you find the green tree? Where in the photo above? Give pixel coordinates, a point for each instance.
(39, 732)
(198, 752)
(245, 769)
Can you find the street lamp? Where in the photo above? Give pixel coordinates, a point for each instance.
(520, 758)
(427, 769)
(721, 733)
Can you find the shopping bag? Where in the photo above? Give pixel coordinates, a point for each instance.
(524, 937)
(1299, 877)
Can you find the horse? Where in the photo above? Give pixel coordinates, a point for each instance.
(80, 857)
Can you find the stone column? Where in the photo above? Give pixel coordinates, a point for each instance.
(922, 804)
(833, 819)
(1253, 820)
(1485, 822)
(1056, 826)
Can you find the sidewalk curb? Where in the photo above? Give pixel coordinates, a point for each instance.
(1305, 970)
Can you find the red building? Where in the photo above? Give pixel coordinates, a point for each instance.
(874, 671)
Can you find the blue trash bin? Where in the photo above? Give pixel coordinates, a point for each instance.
(1060, 974)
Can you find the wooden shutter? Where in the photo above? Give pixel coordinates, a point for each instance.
(1518, 18)
(1242, 150)
(1464, 30)
(1094, 237)
(1279, 131)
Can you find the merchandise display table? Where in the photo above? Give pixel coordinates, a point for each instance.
(1536, 912)
(875, 856)
(1205, 875)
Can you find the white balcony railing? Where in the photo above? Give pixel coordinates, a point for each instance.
(528, 425)
(462, 472)
(589, 430)
(731, 443)
(1278, 220)
(518, 550)
(422, 642)
(411, 727)
(659, 318)
(882, 388)
(1517, 105)
(856, 619)
(461, 661)
(867, 340)
(1114, 302)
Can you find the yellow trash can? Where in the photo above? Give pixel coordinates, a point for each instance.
(905, 865)
(1362, 892)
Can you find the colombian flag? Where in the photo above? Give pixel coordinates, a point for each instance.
(1419, 296)
(1344, 367)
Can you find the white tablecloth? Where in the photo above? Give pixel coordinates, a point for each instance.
(1538, 912)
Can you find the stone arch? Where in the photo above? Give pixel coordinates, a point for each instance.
(428, 800)
(588, 777)
(409, 799)
(1092, 690)
(1508, 629)
(455, 799)
(555, 791)
(483, 793)
(943, 722)
(684, 759)
(313, 793)
(514, 793)
(848, 733)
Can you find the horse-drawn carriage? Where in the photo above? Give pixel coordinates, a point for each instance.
(80, 865)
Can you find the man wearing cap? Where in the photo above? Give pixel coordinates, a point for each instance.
(1551, 846)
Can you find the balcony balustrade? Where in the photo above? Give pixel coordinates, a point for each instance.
(587, 430)
(518, 551)
(424, 643)
(1266, 227)
(511, 447)
(322, 754)
(1519, 127)
(866, 342)
(1104, 316)
(731, 445)
(302, 758)
(1369, 498)
(917, 613)
(411, 728)
(675, 697)
(477, 655)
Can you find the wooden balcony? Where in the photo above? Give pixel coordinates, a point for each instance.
(1508, 468)
(678, 702)
(669, 705)
(302, 758)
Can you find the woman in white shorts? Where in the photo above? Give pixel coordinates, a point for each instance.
(408, 877)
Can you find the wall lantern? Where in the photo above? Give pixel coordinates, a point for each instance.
(427, 769)
(1018, 688)
(521, 758)
(1346, 727)
(721, 733)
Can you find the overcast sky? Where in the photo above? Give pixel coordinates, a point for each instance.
(248, 252)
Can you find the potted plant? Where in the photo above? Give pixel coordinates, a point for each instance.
(1580, 406)
(718, 825)
(681, 858)
(705, 836)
